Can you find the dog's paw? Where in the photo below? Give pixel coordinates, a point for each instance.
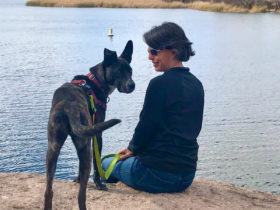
(77, 180)
(101, 186)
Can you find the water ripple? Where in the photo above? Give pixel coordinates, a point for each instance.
(44, 48)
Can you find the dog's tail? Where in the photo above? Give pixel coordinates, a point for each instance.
(99, 127)
(80, 129)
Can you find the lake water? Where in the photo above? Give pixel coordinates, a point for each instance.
(237, 59)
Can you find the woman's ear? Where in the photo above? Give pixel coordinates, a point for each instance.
(173, 53)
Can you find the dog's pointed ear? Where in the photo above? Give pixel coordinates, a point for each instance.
(109, 57)
(127, 52)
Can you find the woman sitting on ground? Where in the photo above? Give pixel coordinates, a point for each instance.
(162, 155)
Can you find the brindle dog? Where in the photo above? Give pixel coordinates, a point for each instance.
(70, 115)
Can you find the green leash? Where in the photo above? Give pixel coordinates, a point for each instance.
(103, 174)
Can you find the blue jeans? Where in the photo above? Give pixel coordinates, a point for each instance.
(136, 175)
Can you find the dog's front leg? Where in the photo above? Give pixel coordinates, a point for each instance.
(96, 176)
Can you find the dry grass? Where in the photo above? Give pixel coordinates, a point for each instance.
(258, 9)
(107, 3)
(215, 7)
(198, 5)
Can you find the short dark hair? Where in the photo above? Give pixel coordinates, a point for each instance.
(170, 36)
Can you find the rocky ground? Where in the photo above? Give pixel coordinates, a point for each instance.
(26, 191)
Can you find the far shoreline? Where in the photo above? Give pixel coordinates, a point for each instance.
(152, 4)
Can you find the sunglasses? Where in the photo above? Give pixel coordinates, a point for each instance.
(153, 51)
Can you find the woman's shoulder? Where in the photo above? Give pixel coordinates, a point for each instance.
(158, 80)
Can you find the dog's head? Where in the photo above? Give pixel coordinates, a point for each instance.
(117, 71)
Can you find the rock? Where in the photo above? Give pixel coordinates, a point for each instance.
(26, 191)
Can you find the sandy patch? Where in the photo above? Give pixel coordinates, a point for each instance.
(26, 191)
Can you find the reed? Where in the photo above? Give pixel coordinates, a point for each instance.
(107, 3)
(258, 9)
(197, 5)
(215, 7)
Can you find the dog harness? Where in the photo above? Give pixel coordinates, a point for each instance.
(96, 97)
(97, 100)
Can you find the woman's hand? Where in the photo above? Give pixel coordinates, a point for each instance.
(126, 153)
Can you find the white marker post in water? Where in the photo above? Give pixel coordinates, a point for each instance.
(110, 34)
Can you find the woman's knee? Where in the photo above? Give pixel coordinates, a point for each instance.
(187, 182)
(106, 162)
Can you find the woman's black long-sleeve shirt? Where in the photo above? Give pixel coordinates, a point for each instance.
(165, 137)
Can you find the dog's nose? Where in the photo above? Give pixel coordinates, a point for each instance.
(131, 86)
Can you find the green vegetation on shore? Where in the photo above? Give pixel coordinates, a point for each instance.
(197, 5)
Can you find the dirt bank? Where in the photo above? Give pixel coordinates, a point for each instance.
(26, 191)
